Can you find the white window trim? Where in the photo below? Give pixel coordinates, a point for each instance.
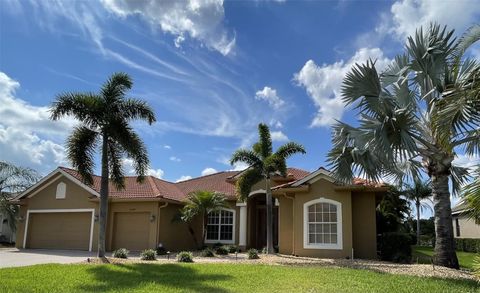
(60, 211)
(210, 241)
(61, 191)
(339, 244)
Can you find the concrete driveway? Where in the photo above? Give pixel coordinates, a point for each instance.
(12, 257)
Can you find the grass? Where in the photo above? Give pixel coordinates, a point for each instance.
(424, 254)
(215, 278)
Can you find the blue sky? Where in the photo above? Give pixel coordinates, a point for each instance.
(212, 70)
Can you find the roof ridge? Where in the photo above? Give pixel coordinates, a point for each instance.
(153, 185)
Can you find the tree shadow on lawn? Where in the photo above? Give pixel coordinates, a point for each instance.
(173, 276)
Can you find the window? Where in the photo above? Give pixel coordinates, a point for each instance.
(61, 190)
(323, 224)
(457, 227)
(221, 227)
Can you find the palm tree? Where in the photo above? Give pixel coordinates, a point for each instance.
(201, 203)
(392, 211)
(104, 124)
(418, 193)
(263, 164)
(13, 179)
(413, 118)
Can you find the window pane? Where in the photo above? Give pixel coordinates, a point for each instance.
(326, 228)
(325, 217)
(311, 217)
(333, 228)
(311, 238)
(326, 238)
(319, 228)
(226, 232)
(333, 208)
(319, 238)
(212, 232)
(227, 217)
(333, 217)
(334, 238)
(311, 228)
(213, 218)
(311, 209)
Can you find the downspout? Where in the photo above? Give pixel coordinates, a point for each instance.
(158, 221)
(293, 221)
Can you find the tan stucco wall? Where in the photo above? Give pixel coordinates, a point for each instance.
(468, 228)
(364, 225)
(285, 225)
(76, 198)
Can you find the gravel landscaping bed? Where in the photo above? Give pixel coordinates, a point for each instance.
(422, 270)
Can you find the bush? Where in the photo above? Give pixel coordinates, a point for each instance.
(396, 247)
(252, 254)
(185, 256)
(232, 248)
(217, 245)
(148, 254)
(467, 244)
(161, 250)
(207, 252)
(264, 250)
(222, 250)
(121, 253)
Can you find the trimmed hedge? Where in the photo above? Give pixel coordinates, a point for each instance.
(185, 256)
(467, 244)
(148, 254)
(396, 247)
(121, 253)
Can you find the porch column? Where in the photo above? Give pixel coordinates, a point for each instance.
(242, 239)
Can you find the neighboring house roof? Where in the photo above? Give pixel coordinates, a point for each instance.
(459, 208)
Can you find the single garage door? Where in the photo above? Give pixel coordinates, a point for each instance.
(131, 231)
(59, 230)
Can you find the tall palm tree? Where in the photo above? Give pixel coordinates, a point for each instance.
(413, 118)
(263, 164)
(13, 179)
(418, 193)
(104, 124)
(201, 203)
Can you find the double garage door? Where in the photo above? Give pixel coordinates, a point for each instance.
(59, 230)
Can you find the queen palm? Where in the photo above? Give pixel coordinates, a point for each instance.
(413, 118)
(263, 164)
(104, 125)
(418, 193)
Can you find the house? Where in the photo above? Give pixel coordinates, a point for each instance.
(313, 216)
(6, 233)
(463, 226)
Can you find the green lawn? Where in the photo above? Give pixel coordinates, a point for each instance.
(215, 278)
(424, 254)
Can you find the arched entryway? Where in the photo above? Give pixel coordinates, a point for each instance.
(257, 222)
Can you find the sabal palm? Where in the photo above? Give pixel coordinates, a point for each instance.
(201, 203)
(410, 122)
(418, 193)
(104, 125)
(263, 164)
(13, 179)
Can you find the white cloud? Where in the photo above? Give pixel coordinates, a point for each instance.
(278, 136)
(175, 159)
(466, 161)
(208, 171)
(323, 82)
(167, 147)
(200, 20)
(408, 15)
(183, 178)
(127, 164)
(156, 173)
(276, 123)
(270, 96)
(239, 167)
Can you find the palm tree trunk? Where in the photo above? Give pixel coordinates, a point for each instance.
(204, 227)
(444, 245)
(418, 222)
(103, 199)
(268, 194)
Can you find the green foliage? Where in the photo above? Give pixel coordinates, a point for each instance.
(148, 254)
(252, 253)
(207, 252)
(121, 253)
(467, 244)
(222, 250)
(161, 250)
(232, 248)
(201, 203)
(392, 211)
(396, 247)
(185, 256)
(476, 266)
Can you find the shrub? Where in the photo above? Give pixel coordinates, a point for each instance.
(207, 252)
(161, 250)
(222, 250)
(252, 254)
(217, 245)
(264, 250)
(476, 267)
(121, 253)
(395, 246)
(467, 244)
(148, 254)
(232, 248)
(185, 256)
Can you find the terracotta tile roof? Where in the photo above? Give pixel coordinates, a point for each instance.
(157, 188)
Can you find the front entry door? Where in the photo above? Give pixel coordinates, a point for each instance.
(261, 227)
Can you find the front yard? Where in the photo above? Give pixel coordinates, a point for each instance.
(218, 277)
(424, 254)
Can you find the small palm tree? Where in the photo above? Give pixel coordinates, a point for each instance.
(263, 164)
(201, 203)
(413, 117)
(418, 193)
(104, 124)
(13, 179)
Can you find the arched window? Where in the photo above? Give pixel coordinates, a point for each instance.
(322, 224)
(61, 190)
(221, 227)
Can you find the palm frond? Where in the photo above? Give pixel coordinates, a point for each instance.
(81, 146)
(246, 156)
(275, 164)
(361, 81)
(15, 178)
(85, 107)
(265, 140)
(288, 149)
(137, 109)
(115, 154)
(470, 37)
(245, 183)
(115, 87)
(459, 177)
(202, 202)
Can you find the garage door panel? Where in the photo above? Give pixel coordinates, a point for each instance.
(131, 230)
(59, 230)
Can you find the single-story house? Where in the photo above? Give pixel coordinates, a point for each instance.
(313, 215)
(463, 225)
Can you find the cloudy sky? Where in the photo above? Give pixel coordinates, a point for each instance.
(212, 70)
